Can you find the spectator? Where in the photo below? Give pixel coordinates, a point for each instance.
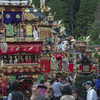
(35, 92)
(15, 94)
(94, 80)
(91, 93)
(67, 77)
(69, 83)
(40, 97)
(75, 93)
(1, 93)
(97, 82)
(57, 88)
(66, 91)
(9, 86)
(71, 76)
(35, 81)
(98, 92)
(59, 79)
(48, 95)
(42, 90)
(5, 97)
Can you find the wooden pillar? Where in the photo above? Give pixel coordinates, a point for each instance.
(19, 30)
(2, 22)
(2, 19)
(23, 26)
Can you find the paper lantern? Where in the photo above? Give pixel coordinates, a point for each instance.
(3, 47)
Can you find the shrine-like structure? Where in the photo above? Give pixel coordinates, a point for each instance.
(23, 36)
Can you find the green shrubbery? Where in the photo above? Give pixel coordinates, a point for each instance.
(79, 84)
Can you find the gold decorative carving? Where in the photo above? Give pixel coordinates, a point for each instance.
(28, 39)
(10, 39)
(2, 31)
(29, 16)
(12, 9)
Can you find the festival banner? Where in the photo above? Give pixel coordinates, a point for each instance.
(10, 30)
(28, 30)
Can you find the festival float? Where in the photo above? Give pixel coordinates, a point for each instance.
(34, 44)
(23, 33)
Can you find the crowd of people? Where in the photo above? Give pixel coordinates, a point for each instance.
(54, 89)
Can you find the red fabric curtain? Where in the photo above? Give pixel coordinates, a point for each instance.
(35, 48)
(31, 47)
(71, 67)
(90, 67)
(11, 48)
(80, 67)
(45, 65)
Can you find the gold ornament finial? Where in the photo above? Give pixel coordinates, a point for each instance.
(30, 2)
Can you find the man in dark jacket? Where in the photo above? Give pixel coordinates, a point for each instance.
(15, 94)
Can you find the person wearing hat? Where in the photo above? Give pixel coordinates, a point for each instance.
(76, 94)
(91, 93)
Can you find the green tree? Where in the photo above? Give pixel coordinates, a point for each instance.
(84, 17)
(94, 30)
(68, 7)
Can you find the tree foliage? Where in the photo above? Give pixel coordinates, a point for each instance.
(94, 31)
(84, 17)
